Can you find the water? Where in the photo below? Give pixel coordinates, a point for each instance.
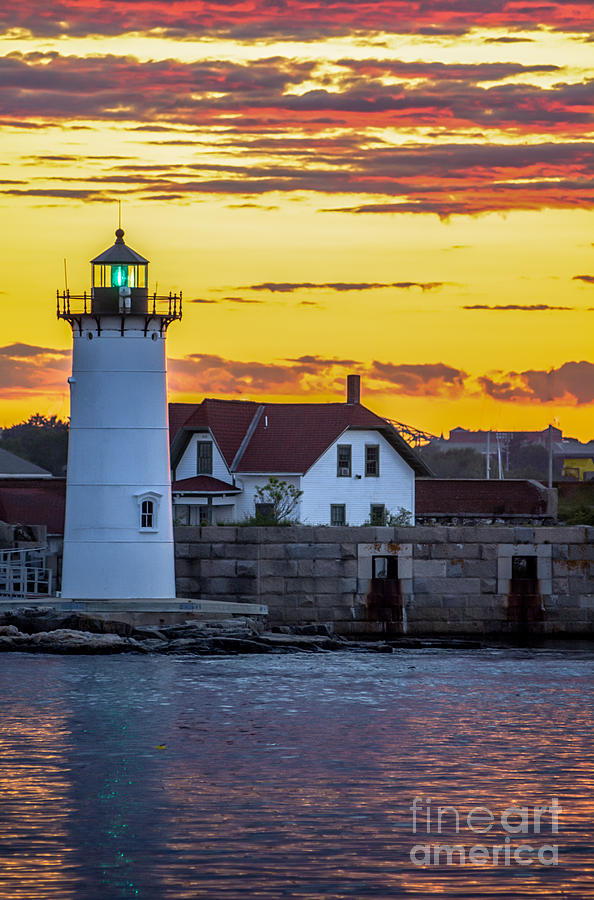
(290, 776)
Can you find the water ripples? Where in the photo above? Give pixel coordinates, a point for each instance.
(290, 776)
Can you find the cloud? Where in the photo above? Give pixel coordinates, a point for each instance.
(241, 300)
(321, 362)
(422, 379)
(586, 279)
(572, 383)
(276, 91)
(252, 206)
(304, 20)
(201, 300)
(60, 194)
(318, 378)
(532, 307)
(288, 287)
(278, 134)
(30, 351)
(311, 374)
(27, 370)
(508, 39)
(209, 374)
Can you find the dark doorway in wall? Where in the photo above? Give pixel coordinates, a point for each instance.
(384, 598)
(524, 606)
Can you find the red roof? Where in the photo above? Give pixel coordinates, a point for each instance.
(205, 484)
(34, 501)
(277, 437)
(228, 420)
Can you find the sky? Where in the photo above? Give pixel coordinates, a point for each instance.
(397, 189)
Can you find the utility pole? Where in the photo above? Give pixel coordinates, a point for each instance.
(488, 454)
(550, 456)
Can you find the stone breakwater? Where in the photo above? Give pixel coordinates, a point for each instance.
(480, 581)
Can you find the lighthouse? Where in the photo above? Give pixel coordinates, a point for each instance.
(118, 537)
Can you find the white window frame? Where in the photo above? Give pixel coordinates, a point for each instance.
(338, 524)
(377, 461)
(344, 471)
(199, 442)
(154, 498)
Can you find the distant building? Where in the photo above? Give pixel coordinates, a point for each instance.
(13, 466)
(478, 440)
(455, 501)
(499, 446)
(350, 463)
(578, 459)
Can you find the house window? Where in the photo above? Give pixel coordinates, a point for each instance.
(204, 466)
(337, 514)
(377, 514)
(372, 459)
(147, 514)
(343, 461)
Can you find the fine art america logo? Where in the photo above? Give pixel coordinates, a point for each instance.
(519, 832)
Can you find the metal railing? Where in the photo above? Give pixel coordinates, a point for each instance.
(23, 574)
(166, 305)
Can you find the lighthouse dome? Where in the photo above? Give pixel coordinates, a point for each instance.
(119, 252)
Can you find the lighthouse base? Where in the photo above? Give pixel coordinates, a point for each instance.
(112, 570)
(140, 611)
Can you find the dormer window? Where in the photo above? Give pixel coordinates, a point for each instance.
(204, 458)
(344, 455)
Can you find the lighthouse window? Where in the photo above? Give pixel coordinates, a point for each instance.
(119, 276)
(147, 514)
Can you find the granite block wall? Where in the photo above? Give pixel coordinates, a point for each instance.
(434, 580)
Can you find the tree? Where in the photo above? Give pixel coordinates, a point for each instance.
(41, 440)
(280, 498)
(461, 462)
(530, 461)
(394, 520)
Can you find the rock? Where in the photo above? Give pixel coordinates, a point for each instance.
(34, 621)
(148, 632)
(187, 645)
(240, 645)
(321, 628)
(64, 640)
(7, 643)
(154, 645)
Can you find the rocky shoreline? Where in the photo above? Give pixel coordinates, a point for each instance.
(47, 631)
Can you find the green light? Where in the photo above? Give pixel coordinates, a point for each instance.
(119, 276)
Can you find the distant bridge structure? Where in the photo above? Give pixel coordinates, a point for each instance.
(413, 436)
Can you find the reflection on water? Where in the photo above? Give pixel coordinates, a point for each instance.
(289, 776)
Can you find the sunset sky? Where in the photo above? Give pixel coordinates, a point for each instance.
(398, 189)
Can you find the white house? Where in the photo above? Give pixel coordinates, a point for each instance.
(352, 465)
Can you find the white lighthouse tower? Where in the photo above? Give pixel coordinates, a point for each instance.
(118, 540)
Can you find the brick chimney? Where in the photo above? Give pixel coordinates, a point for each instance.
(353, 389)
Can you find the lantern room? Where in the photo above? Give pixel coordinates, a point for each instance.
(119, 279)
